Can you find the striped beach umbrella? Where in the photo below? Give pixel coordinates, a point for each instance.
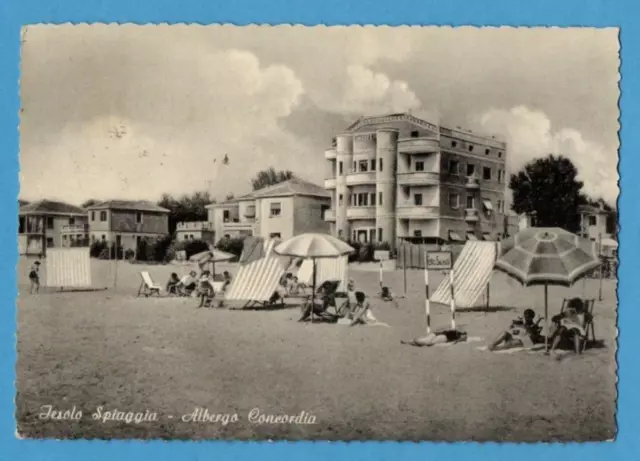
(547, 256)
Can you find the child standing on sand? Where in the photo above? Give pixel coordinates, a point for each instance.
(34, 277)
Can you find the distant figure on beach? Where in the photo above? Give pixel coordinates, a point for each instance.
(187, 284)
(523, 332)
(172, 284)
(362, 313)
(438, 337)
(34, 277)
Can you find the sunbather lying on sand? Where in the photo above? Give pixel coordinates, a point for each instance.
(523, 332)
(438, 337)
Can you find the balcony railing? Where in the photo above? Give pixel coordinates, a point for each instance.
(195, 226)
(330, 154)
(237, 224)
(75, 228)
(418, 145)
(330, 215)
(472, 183)
(355, 179)
(419, 178)
(330, 183)
(418, 212)
(361, 212)
(471, 215)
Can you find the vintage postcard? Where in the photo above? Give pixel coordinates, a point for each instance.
(318, 233)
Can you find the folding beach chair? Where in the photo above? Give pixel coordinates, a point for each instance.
(321, 300)
(148, 287)
(587, 323)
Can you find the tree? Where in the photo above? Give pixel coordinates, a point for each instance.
(186, 208)
(88, 203)
(270, 177)
(229, 196)
(548, 189)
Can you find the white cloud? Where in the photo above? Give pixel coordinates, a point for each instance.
(530, 134)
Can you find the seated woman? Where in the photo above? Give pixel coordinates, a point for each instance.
(523, 332)
(438, 337)
(570, 325)
(205, 288)
(187, 284)
(318, 304)
(361, 313)
(172, 284)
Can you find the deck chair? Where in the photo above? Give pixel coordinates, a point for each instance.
(148, 286)
(588, 325)
(323, 299)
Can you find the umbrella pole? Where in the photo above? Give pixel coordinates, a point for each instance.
(313, 293)
(546, 319)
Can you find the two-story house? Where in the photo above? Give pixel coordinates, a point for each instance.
(127, 222)
(280, 211)
(47, 224)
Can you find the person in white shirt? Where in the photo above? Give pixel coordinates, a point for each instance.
(187, 284)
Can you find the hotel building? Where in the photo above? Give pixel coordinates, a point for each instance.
(398, 177)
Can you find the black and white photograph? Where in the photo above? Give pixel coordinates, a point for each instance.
(354, 233)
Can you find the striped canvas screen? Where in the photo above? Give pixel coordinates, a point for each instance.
(326, 269)
(471, 273)
(68, 267)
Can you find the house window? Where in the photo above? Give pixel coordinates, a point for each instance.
(379, 234)
(339, 199)
(454, 167)
(103, 216)
(49, 223)
(354, 168)
(363, 166)
(499, 206)
(274, 235)
(363, 199)
(593, 220)
(454, 143)
(499, 154)
(417, 199)
(103, 237)
(372, 235)
(419, 166)
(373, 198)
(373, 164)
(323, 210)
(415, 134)
(380, 164)
(49, 242)
(276, 209)
(471, 203)
(471, 169)
(339, 167)
(470, 147)
(454, 200)
(379, 198)
(417, 233)
(72, 221)
(138, 217)
(486, 151)
(93, 216)
(486, 173)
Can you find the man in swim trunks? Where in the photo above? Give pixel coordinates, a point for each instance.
(523, 332)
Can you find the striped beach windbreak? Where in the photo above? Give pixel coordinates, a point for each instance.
(68, 267)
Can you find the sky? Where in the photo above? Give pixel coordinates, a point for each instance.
(132, 112)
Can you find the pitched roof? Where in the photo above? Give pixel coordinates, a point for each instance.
(51, 207)
(294, 186)
(136, 205)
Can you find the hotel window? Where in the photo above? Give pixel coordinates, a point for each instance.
(354, 168)
(415, 134)
(486, 151)
(379, 234)
(380, 164)
(454, 167)
(592, 220)
(340, 199)
(49, 242)
(471, 203)
(372, 235)
(471, 169)
(340, 168)
(276, 209)
(103, 237)
(470, 147)
(49, 223)
(454, 143)
(363, 199)
(499, 154)
(379, 198)
(486, 173)
(363, 166)
(419, 166)
(138, 217)
(454, 200)
(373, 164)
(373, 199)
(417, 233)
(93, 216)
(71, 221)
(417, 199)
(499, 204)
(103, 216)
(225, 215)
